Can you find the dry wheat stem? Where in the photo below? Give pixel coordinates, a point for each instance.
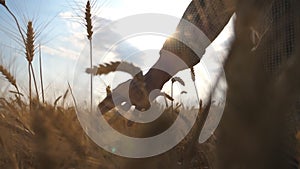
(172, 102)
(29, 46)
(173, 80)
(41, 74)
(89, 28)
(34, 82)
(91, 76)
(27, 42)
(29, 86)
(65, 96)
(193, 75)
(16, 20)
(73, 97)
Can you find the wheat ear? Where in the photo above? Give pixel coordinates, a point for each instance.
(89, 28)
(2, 2)
(10, 78)
(107, 68)
(88, 19)
(29, 46)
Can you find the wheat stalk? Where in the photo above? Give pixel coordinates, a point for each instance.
(193, 75)
(8, 75)
(107, 68)
(173, 80)
(65, 96)
(88, 19)
(89, 28)
(179, 80)
(29, 46)
(41, 73)
(2, 2)
(28, 36)
(10, 78)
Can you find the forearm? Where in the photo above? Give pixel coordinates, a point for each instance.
(200, 25)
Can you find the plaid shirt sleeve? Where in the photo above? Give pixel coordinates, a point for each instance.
(201, 23)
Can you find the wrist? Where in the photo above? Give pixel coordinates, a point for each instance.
(156, 78)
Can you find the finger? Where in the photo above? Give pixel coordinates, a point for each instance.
(106, 105)
(125, 107)
(110, 102)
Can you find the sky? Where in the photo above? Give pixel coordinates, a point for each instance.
(64, 44)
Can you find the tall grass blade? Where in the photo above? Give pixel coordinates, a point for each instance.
(41, 73)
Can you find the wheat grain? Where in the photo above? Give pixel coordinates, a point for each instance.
(8, 75)
(2, 2)
(193, 74)
(10, 78)
(107, 68)
(88, 19)
(29, 46)
(29, 42)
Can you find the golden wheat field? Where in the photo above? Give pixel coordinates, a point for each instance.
(222, 82)
(51, 137)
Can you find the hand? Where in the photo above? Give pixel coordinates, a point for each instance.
(132, 92)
